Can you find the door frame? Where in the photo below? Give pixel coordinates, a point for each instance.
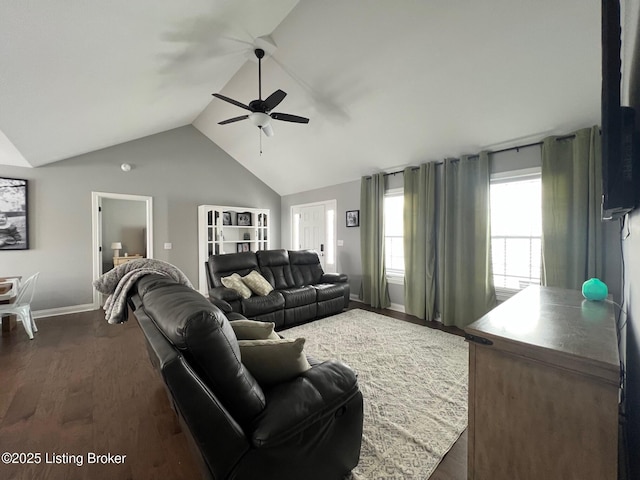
(96, 229)
(328, 205)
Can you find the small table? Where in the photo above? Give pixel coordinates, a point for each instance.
(120, 260)
(8, 292)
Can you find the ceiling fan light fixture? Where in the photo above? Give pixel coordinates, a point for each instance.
(260, 119)
(267, 129)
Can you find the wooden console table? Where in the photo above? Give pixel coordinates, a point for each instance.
(120, 260)
(544, 375)
(8, 291)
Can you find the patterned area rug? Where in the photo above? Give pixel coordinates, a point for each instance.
(414, 383)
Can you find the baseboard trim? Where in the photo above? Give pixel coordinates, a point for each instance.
(397, 307)
(53, 312)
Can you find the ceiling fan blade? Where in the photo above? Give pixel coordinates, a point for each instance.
(232, 101)
(289, 118)
(274, 99)
(234, 119)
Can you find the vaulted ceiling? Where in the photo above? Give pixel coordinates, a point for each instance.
(384, 83)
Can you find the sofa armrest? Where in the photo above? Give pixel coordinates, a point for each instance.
(223, 293)
(294, 406)
(221, 304)
(334, 278)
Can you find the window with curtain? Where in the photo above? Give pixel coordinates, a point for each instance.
(516, 230)
(393, 235)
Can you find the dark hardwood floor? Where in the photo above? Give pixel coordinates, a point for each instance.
(83, 386)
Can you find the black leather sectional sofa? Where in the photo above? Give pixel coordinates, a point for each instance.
(308, 428)
(302, 291)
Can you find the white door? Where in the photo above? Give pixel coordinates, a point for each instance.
(313, 228)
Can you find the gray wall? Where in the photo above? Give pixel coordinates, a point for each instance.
(347, 197)
(180, 169)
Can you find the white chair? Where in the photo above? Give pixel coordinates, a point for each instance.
(22, 306)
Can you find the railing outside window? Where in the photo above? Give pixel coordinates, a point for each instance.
(516, 261)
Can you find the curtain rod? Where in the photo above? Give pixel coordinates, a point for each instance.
(517, 147)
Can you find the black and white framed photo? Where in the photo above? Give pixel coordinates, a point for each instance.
(14, 224)
(353, 218)
(244, 219)
(226, 218)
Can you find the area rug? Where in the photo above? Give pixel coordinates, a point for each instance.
(414, 383)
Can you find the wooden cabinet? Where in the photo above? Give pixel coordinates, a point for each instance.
(544, 389)
(120, 260)
(223, 230)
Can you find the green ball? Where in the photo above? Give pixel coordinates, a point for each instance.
(595, 289)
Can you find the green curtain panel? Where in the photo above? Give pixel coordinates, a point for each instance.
(572, 233)
(420, 241)
(465, 289)
(373, 289)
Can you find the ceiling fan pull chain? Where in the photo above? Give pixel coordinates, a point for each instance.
(260, 133)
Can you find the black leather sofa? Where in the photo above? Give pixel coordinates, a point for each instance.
(307, 428)
(302, 291)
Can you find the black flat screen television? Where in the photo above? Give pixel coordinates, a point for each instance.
(619, 140)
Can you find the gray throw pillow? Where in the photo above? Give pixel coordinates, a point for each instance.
(257, 283)
(234, 282)
(274, 361)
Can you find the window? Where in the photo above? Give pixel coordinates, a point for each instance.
(516, 228)
(393, 235)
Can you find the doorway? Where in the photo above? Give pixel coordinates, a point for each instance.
(313, 227)
(119, 220)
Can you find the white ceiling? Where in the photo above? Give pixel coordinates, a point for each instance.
(385, 83)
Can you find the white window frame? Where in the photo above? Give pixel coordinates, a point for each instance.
(503, 293)
(394, 276)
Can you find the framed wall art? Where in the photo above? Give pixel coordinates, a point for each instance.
(244, 219)
(14, 222)
(353, 218)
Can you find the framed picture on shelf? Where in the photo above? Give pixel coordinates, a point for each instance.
(353, 218)
(226, 218)
(242, 247)
(13, 214)
(244, 219)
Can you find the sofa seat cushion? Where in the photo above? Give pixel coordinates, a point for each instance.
(296, 297)
(329, 291)
(258, 305)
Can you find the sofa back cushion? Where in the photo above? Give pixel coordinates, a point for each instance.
(225, 265)
(274, 266)
(305, 266)
(201, 332)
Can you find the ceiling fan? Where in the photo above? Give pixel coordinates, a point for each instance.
(261, 114)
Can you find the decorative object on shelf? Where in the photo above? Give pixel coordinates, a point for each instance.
(13, 214)
(116, 247)
(242, 247)
(244, 219)
(226, 218)
(246, 236)
(353, 218)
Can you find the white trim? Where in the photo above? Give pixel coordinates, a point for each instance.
(397, 307)
(52, 312)
(395, 278)
(514, 175)
(394, 306)
(96, 201)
